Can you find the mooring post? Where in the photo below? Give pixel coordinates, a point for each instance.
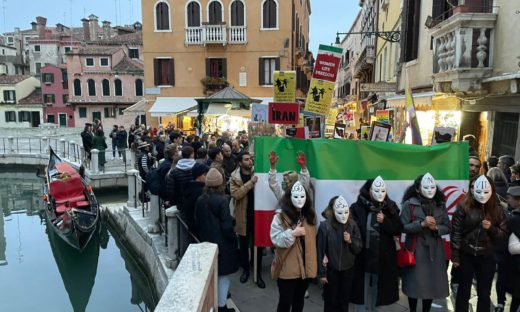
(94, 168)
(173, 242)
(132, 176)
(153, 214)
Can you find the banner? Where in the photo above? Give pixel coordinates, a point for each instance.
(284, 86)
(284, 113)
(259, 112)
(323, 79)
(340, 167)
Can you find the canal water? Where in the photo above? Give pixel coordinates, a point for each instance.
(40, 272)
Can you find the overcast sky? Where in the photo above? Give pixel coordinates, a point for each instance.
(328, 16)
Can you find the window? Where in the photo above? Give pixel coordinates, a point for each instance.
(162, 16)
(65, 98)
(77, 87)
(103, 61)
(50, 119)
(106, 87)
(138, 87)
(48, 78)
(121, 111)
(412, 14)
(89, 61)
(91, 85)
(67, 49)
(36, 48)
(119, 87)
(10, 40)
(164, 72)
(270, 14)
(193, 14)
(216, 68)
(237, 13)
(38, 67)
(133, 53)
(10, 116)
(266, 70)
(110, 112)
(82, 112)
(49, 99)
(215, 13)
(9, 96)
(24, 116)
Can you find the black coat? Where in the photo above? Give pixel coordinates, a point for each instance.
(501, 189)
(86, 138)
(192, 192)
(164, 167)
(388, 275)
(121, 139)
(176, 179)
(215, 225)
(514, 260)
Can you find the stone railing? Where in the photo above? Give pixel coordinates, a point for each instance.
(215, 34)
(237, 34)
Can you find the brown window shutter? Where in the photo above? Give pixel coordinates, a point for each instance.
(208, 68)
(172, 72)
(224, 68)
(261, 79)
(156, 72)
(277, 63)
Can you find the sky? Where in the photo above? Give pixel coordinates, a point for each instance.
(328, 16)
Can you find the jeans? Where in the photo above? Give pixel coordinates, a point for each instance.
(223, 288)
(483, 268)
(291, 294)
(114, 147)
(244, 253)
(336, 292)
(500, 286)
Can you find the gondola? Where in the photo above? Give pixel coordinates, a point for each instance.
(71, 207)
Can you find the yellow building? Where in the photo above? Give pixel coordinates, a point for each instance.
(195, 48)
(387, 54)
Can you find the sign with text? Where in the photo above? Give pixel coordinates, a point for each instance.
(284, 113)
(284, 86)
(259, 112)
(378, 87)
(320, 96)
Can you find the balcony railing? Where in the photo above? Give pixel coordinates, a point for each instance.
(237, 34)
(216, 34)
(367, 56)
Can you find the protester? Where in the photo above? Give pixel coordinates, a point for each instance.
(504, 163)
(192, 192)
(478, 228)
(159, 147)
(113, 137)
(196, 144)
(376, 274)
(515, 175)
(289, 177)
(86, 138)
(293, 230)
(215, 156)
(514, 246)
(99, 143)
(145, 162)
(229, 162)
(216, 226)
(202, 156)
(131, 138)
(474, 167)
(121, 142)
(501, 183)
(339, 241)
(170, 152)
(236, 149)
(425, 220)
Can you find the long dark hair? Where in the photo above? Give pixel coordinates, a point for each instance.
(413, 191)
(290, 211)
(364, 191)
(491, 208)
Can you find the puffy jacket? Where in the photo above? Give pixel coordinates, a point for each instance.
(470, 237)
(176, 180)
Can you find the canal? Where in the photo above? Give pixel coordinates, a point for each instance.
(39, 272)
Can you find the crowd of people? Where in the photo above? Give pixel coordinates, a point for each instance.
(211, 181)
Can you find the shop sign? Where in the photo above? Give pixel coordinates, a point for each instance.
(285, 86)
(378, 87)
(284, 113)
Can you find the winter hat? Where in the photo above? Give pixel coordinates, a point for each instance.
(214, 178)
(198, 170)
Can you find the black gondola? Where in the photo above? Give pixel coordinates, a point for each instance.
(72, 209)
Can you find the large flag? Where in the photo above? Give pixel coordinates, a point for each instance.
(414, 123)
(341, 167)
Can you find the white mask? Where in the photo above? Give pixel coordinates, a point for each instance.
(378, 190)
(428, 186)
(298, 195)
(482, 190)
(341, 210)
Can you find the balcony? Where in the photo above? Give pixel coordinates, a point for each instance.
(463, 50)
(215, 34)
(366, 58)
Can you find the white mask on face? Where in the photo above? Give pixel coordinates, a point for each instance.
(298, 195)
(428, 186)
(378, 190)
(341, 210)
(482, 190)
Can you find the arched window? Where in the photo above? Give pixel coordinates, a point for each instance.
(118, 87)
(270, 14)
(162, 16)
(237, 13)
(91, 84)
(106, 87)
(215, 13)
(77, 87)
(138, 87)
(193, 14)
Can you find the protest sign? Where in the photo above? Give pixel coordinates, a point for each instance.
(284, 86)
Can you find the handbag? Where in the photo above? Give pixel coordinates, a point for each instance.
(277, 264)
(405, 256)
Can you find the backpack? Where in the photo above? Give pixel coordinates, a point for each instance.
(153, 181)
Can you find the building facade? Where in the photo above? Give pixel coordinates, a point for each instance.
(15, 110)
(55, 96)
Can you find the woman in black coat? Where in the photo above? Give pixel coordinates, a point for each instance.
(377, 262)
(215, 225)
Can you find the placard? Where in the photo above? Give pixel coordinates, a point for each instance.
(314, 125)
(284, 113)
(319, 97)
(259, 112)
(339, 131)
(380, 132)
(284, 86)
(443, 135)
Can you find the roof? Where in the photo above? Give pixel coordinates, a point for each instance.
(12, 79)
(135, 38)
(228, 93)
(129, 65)
(97, 50)
(34, 98)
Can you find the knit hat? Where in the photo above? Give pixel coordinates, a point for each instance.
(214, 178)
(198, 170)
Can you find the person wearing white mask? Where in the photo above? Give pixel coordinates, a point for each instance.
(425, 221)
(478, 228)
(376, 274)
(293, 233)
(339, 240)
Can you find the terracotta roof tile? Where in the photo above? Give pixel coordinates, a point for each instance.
(12, 79)
(34, 98)
(97, 50)
(129, 65)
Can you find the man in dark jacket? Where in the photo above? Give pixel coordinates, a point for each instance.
(230, 161)
(86, 138)
(113, 136)
(192, 191)
(122, 136)
(169, 152)
(504, 163)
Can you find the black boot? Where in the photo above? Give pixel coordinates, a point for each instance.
(244, 277)
(225, 309)
(259, 281)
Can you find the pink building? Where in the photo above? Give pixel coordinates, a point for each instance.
(55, 93)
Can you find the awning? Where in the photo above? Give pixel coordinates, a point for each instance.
(137, 108)
(217, 109)
(166, 106)
(193, 113)
(244, 113)
(427, 101)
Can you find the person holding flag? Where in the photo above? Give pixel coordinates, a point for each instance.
(289, 177)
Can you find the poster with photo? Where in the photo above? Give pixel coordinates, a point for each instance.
(365, 133)
(259, 112)
(339, 131)
(443, 135)
(380, 132)
(314, 125)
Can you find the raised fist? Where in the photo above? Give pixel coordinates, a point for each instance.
(273, 158)
(302, 161)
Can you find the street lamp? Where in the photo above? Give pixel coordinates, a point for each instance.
(391, 36)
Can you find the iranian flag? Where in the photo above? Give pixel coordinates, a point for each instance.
(340, 167)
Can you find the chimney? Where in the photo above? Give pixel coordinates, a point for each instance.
(59, 27)
(86, 29)
(94, 27)
(106, 29)
(33, 26)
(41, 23)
